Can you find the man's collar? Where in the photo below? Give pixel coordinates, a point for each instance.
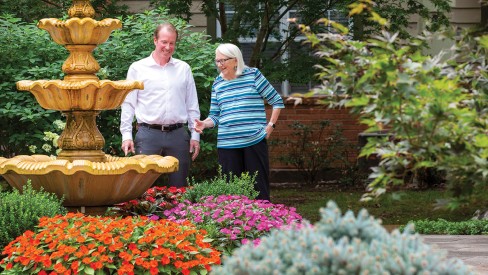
(152, 61)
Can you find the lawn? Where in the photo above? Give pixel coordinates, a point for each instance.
(393, 208)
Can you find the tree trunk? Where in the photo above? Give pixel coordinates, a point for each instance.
(222, 18)
(258, 46)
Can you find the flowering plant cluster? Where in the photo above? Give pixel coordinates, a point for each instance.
(75, 243)
(152, 203)
(237, 218)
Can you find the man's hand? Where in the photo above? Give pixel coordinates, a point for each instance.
(128, 147)
(194, 148)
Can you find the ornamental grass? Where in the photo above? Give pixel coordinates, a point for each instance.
(237, 219)
(78, 244)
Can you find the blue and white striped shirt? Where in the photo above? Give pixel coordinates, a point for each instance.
(237, 107)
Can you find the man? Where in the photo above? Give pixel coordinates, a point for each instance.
(168, 101)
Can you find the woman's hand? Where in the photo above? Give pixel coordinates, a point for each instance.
(199, 126)
(269, 129)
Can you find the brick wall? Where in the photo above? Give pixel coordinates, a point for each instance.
(307, 112)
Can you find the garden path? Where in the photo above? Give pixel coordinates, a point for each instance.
(471, 249)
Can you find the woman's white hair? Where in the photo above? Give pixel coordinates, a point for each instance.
(231, 50)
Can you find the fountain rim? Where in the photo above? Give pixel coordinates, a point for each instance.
(43, 164)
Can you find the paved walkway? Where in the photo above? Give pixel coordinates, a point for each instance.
(471, 249)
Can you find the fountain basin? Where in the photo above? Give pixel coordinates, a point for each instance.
(79, 95)
(86, 31)
(86, 183)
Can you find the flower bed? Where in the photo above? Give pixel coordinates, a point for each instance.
(237, 219)
(75, 243)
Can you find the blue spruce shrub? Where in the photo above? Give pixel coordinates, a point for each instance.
(340, 244)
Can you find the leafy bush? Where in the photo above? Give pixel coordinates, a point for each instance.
(21, 211)
(101, 245)
(232, 220)
(21, 58)
(222, 185)
(153, 202)
(51, 139)
(312, 148)
(340, 244)
(436, 110)
(444, 227)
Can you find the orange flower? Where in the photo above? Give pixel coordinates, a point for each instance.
(59, 268)
(110, 244)
(86, 260)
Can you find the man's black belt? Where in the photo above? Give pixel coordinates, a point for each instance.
(164, 128)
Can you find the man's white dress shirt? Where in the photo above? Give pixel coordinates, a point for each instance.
(169, 96)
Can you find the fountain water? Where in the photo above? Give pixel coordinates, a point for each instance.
(87, 178)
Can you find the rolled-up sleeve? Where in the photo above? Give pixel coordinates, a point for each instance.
(267, 91)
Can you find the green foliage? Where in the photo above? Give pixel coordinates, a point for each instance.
(222, 184)
(312, 148)
(20, 211)
(444, 227)
(23, 58)
(340, 244)
(436, 111)
(31, 11)
(398, 14)
(22, 119)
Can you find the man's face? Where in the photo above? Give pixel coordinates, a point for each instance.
(165, 43)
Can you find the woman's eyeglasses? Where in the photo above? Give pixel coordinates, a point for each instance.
(222, 61)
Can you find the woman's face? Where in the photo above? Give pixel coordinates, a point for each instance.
(226, 65)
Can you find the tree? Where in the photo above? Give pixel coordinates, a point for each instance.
(31, 11)
(261, 19)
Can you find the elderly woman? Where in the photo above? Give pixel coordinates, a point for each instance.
(237, 108)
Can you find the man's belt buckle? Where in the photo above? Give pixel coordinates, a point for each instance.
(169, 128)
(166, 128)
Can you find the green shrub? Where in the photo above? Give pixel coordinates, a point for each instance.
(312, 148)
(20, 211)
(22, 58)
(435, 109)
(340, 244)
(444, 227)
(222, 185)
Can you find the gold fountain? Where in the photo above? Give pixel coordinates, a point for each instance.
(82, 173)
